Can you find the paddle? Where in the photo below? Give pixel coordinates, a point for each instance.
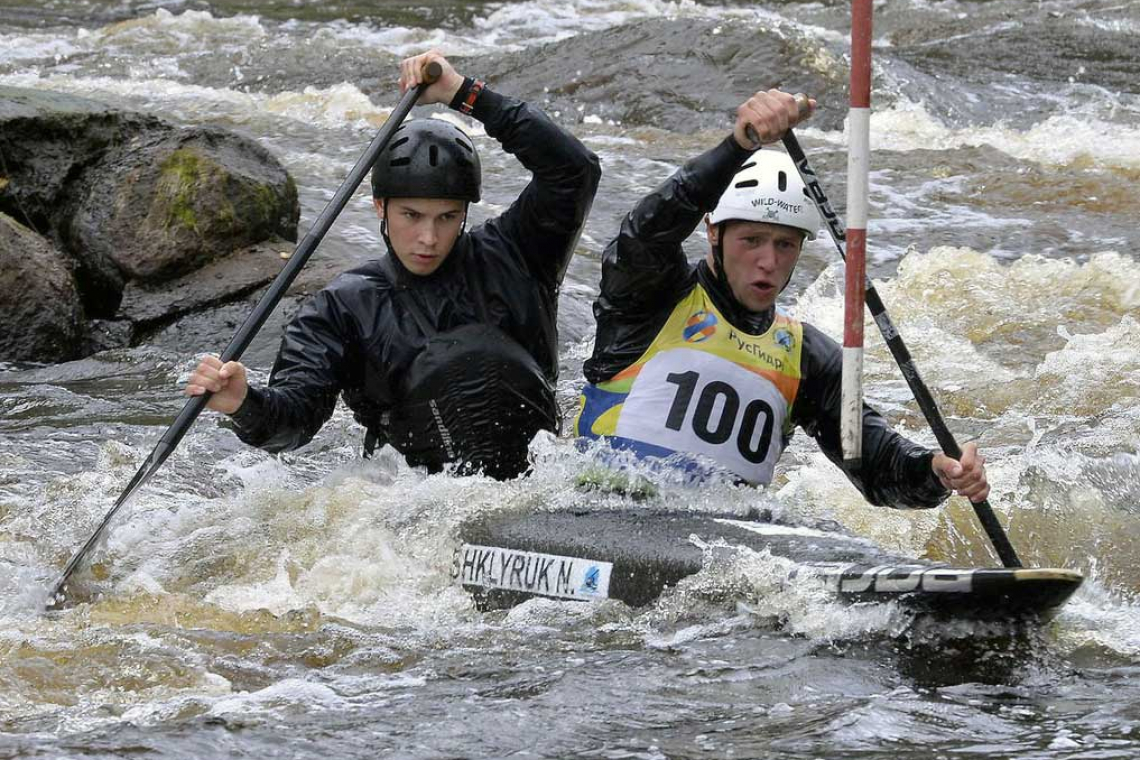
(253, 323)
(899, 351)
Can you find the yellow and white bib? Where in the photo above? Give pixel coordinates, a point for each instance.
(703, 387)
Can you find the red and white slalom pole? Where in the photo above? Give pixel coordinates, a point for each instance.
(858, 154)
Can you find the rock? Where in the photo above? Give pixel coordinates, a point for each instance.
(129, 202)
(44, 138)
(41, 317)
(106, 334)
(164, 205)
(685, 77)
(224, 280)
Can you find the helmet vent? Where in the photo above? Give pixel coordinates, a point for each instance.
(782, 181)
(433, 155)
(467, 147)
(398, 143)
(746, 183)
(748, 165)
(400, 161)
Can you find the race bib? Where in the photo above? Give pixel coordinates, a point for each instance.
(696, 402)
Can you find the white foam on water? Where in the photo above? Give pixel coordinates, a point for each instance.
(1064, 139)
(165, 36)
(516, 26)
(28, 48)
(1098, 617)
(1093, 373)
(339, 106)
(956, 307)
(770, 591)
(399, 41)
(816, 488)
(1117, 25)
(940, 342)
(163, 30)
(291, 695)
(333, 107)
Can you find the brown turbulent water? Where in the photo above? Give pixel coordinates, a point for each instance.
(301, 606)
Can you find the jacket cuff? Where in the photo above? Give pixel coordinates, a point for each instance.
(928, 488)
(251, 412)
(733, 146)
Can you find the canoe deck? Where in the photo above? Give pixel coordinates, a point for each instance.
(635, 554)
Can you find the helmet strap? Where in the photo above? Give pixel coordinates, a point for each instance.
(718, 259)
(384, 229)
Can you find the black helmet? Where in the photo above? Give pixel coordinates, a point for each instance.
(428, 158)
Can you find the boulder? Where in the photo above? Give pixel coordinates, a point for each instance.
(227, 279)
(128, 202)
(164, 205)
(41, 317)
(681, 76)
(45, 139)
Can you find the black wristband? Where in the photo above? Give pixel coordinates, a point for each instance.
(464, 100)
(461, 96)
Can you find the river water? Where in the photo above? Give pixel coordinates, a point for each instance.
(301, 606)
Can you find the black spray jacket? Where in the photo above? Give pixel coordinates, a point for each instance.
(360, 335)
(644, 276)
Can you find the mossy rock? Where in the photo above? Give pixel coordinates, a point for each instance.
(162, 208)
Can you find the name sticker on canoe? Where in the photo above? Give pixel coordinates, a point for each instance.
(531, 572)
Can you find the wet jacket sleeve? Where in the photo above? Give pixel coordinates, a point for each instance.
(546, 220)
(312, 367)
(644, 270)
(895, 472)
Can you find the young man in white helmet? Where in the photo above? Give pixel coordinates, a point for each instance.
(694, 365)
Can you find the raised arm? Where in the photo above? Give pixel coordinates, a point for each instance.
(544, 223)
(546, 220)
(644, 266)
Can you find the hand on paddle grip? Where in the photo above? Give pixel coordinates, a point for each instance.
(433, 69)
(966, 476)
(227, 382)
(767, 116)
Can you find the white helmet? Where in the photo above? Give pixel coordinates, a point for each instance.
(768, 189)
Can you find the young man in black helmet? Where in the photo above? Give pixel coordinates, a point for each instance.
(693, 365)
(446, 348)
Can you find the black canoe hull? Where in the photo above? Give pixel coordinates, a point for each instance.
(634, 555)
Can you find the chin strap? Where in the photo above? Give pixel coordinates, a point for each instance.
(718, 259)
(384, 228)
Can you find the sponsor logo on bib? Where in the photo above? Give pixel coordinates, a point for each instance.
(700, 326)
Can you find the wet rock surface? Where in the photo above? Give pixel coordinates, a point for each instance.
(119, 222)
(235, 276)
(677, 77)
(41, 318)
(163, 205)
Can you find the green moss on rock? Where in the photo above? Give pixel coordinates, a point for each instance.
(182, 174)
